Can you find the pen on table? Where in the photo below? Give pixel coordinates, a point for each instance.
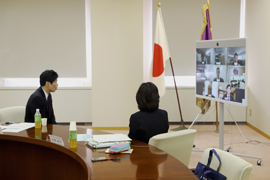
(10, 122)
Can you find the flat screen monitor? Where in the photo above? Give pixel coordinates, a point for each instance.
(221, 70)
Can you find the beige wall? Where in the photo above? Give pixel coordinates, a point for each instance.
(34, 32)
(183, 22)
(117, 67)
(70, 104)
(117, 60)
(75, 104)
(257, 31)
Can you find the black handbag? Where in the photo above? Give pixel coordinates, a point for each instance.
(204, 172)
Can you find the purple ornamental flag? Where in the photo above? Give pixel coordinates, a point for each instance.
(207, 32)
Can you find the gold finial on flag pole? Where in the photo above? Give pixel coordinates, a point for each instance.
(158, 4)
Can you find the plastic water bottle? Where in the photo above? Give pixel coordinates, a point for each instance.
(38, 133)
(37, 119)
(72, 135)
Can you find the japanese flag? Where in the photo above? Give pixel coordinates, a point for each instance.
(161, 55)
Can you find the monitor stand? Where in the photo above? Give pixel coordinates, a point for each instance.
(221, 132)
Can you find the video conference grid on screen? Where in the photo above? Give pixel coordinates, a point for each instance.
(220, 73)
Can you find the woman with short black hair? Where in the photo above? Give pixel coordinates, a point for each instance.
(147, 97)
(150, 120)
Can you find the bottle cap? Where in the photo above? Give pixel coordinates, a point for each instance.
(37, 109)
(72, 126)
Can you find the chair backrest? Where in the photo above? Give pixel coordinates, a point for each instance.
(12, 114)
(233, 167)
(179, 144)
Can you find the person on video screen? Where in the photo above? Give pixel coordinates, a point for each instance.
(210, 91)
(218, 78)
(236, 62)
(235, 71)
(228, 95)
(203, 58)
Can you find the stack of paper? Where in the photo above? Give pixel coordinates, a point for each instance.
(107, 140)
(111, 137)
(83, 137)
(15, 128)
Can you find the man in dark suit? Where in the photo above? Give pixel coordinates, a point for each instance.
(235, 60)
(228, 95)
(210, 91)
(218, 78)
(41, 99)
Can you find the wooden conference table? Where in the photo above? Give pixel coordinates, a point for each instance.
(30, 154)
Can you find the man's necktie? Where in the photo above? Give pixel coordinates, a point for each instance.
(48, 101)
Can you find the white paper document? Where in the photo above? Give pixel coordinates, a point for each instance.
(15, 128)
(111, 137)
(83, 137)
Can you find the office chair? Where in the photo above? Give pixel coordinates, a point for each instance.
(12, 114)
(179, 144)
(233, 167)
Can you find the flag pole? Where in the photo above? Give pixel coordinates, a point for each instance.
(182, 122)
(182, 126)
(217, 127)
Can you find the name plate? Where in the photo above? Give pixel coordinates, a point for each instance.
(56, 140)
